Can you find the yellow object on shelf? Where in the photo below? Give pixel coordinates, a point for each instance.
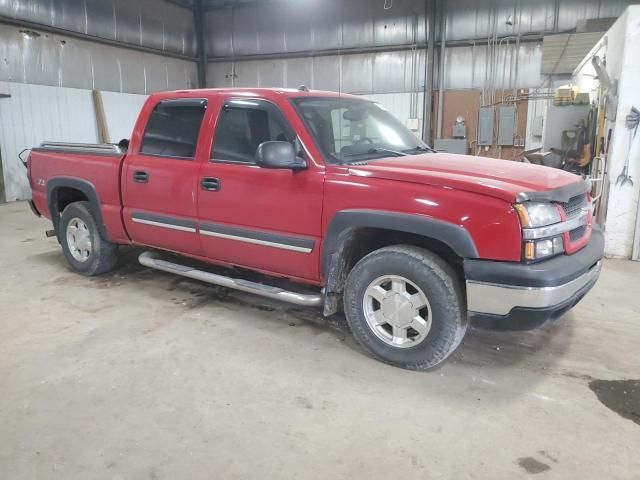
(563, 96)
(570, 95)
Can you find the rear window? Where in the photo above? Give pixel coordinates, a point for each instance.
(173, 128)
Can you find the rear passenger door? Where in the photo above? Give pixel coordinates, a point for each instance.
(265, 219)
(160, 180)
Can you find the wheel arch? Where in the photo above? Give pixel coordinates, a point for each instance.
(62, 191)
(352, 234)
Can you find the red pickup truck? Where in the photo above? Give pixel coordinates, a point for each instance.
(334, 194)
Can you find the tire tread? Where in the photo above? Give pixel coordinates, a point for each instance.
(453, 329)
(105, 253)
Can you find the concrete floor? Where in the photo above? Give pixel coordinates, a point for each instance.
(139, 374)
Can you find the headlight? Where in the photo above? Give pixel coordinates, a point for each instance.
(534, 215)
(539, 249)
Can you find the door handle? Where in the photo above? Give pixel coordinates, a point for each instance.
(140, 176)
(210, 184)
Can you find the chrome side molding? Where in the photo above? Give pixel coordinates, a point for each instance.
(153, 260)
(89, 148)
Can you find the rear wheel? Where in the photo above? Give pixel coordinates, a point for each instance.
(85, 249)
(405, 307)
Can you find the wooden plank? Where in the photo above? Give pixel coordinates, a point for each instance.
(101, 118)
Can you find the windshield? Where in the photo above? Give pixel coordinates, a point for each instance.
(352, 130)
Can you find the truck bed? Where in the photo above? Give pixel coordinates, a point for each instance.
(95, 165)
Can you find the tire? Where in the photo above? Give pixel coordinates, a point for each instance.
(101, 255)
(444, 320)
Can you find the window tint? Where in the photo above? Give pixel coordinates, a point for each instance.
(245, 124)
(173, 127)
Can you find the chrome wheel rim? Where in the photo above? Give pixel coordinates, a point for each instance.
(79, 239)
(397, 311)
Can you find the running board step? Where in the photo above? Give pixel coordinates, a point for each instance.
(153, 260)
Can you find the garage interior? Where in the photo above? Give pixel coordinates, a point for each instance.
(141, 374)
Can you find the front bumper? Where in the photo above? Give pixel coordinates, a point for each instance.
(515, 296)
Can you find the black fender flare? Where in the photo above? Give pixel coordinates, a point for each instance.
(83, 186)
(340, 233)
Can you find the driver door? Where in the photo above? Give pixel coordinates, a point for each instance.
(259, 218)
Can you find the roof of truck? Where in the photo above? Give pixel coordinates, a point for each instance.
(253, 92)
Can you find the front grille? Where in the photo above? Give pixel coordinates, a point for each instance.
(577, 233)
(572, 209)
(575, 204)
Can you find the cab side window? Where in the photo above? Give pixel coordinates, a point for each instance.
(173, 128)
(243, 125)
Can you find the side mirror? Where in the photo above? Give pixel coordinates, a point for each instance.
(279, 155)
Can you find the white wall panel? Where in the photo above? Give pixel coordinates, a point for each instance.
(37, 113)
(299, 71)
(247, 74)
(272, 74)
(399, 104)
(621, 229)
(121, 111)
(220, 74)
(327, 74)
(357, 73)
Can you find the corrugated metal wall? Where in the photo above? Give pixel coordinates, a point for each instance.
(32, 54)
(476, 18)
(301, 30)
(35, 113)
(295, 26)
(44, 58)
(401, 71)
(384, 72)
(286, 26)
(146, 23)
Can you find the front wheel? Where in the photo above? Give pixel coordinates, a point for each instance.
(404, 305)
(86, 250)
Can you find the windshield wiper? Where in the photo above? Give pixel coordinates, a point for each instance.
(377, 150)
(387, 150)
(420, 148)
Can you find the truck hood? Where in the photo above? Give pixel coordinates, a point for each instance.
(502, 179)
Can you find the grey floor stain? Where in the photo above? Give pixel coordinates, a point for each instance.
(548, 456)
(531, 465)
(621, 396)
